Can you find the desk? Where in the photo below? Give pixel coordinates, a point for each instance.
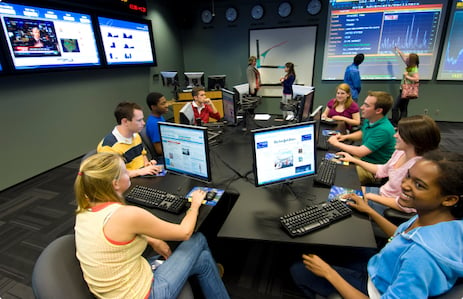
(255, 216)
(247, 212)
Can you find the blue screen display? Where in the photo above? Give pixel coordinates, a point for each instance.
(375, 28)
(42, 38)
(451, 64)
(126, 42)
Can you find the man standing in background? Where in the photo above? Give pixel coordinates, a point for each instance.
(352, 76)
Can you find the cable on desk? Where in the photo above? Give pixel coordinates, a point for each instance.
(228, 165)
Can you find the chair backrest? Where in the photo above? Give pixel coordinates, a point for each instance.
(148, 144)
(187, 116)
(57, 272)
(90, 153)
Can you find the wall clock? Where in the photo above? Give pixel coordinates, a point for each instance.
(284, 9)
(231, 14)
(257, 12)
(314, 7)
(206, 16)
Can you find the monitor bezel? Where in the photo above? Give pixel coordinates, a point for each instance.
(283, 127)
(203, 130)
(218, 80)
(235, 106)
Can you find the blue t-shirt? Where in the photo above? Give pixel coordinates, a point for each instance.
(152, 129)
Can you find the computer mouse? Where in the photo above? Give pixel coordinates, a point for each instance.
(210, 195)
(338, 156)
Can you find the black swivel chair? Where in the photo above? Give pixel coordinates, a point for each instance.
(57, 273)
(148, 145)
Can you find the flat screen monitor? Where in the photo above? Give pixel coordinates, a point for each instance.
(185, 150)
(316, 116)
(229, 107)
(241, 90)
(451, 64)
(194, 79)
(284, 153)
(216, 82)
(305, 106)
(169, 78)
(46, 38)
(127, 42)
(375, 28)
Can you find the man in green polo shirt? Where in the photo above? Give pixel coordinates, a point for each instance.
(377, 134)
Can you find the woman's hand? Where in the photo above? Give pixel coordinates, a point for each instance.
(347, 157)
(197, 198)
(357, 202)
(316, 265)
(161, 247)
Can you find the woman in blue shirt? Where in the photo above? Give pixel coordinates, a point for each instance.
(424, 256)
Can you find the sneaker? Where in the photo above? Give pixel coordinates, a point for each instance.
(221, 269)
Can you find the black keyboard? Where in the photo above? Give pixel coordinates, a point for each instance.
(326, 173)
(323, 143)
(157, 199)
(312, 218)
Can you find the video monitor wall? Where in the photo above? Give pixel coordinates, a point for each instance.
(43, 38)
(375, 28)
(127, 42)
(451, 64)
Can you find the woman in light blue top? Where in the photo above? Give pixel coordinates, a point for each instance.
(424, 256)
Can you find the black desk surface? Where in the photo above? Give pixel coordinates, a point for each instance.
(247, 212)
(255, 215)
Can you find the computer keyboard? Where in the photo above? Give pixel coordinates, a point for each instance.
(158, 199)
(326, 173)
(323, 142)
(312, 218)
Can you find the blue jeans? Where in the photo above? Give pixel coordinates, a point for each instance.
(190, 258)
(380, 208)
(311, 284)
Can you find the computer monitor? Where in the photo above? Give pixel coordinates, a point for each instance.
(284, 153)
(194, 79)
(229, 107)
(186, 150)
(216, 82)
(169, 78)
(305, 106)
(187, 116)
(44, 38)
(317, 117)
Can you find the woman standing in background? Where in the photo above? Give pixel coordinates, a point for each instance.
(400, 108)
(253, 75)
(287, 81)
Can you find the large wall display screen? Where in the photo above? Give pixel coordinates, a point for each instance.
(127, 42)
(375, 28)
(42, 38)
(451, 64)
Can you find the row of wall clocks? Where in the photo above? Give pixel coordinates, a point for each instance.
(284, 9)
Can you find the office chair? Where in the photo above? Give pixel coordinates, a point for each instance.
(148, 144)
(90, 153)
(57, 273)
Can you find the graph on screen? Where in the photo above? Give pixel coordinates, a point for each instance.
(451, 64)
(375, 28)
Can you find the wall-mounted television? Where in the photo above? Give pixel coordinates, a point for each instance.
(451, 64)
(48, 38)
(127, 42)
(375, 28)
